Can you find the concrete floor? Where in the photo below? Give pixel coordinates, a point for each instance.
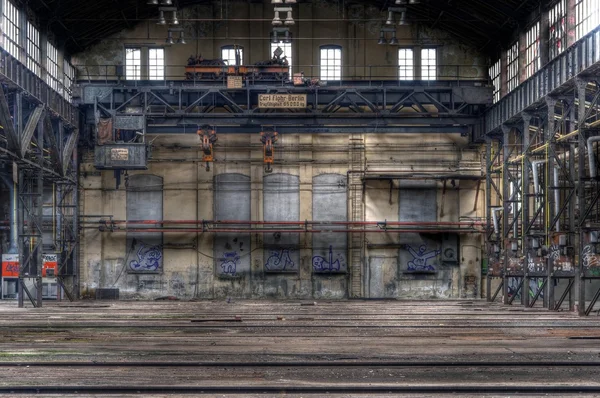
(286, 348)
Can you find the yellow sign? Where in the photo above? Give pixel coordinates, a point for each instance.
(282, 101)
(119, 154)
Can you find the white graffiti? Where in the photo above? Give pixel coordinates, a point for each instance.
(590, 259)
(554, 252)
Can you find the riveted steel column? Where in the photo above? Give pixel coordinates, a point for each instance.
(549, 192)
(525, 206)
(488, 209)
(506, 209)
(580, 273)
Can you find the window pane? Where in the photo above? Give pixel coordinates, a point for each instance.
(532, 52)
(405, 64)
(228, 55)
(331, 63)
(11, 30)
(33, 49)
(52, 78)
(133, 63)
(69, 77)
(156, 64)
(558, 31)
(512, 67)
(587, 15)
(496, 81)
(428, 64)
(287, 52)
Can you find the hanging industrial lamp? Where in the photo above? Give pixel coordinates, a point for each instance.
(390, 19)
(161, 18)
(403, 20)
(289, 20)
(276, 20)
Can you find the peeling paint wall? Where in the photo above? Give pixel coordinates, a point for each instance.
(308, 183)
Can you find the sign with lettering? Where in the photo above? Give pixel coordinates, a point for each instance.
(282, 101)
(10, 265)
(119, 154)
(234, 82)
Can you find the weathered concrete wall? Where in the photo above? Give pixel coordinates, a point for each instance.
(356, 28)
(309, 182)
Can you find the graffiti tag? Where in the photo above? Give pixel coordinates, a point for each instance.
(148, 258)
(590, 260)
(421, 258)
(10, 267)
(535, 284)
(279, 260)
(554, 252)
(229, 263)
(322, 264)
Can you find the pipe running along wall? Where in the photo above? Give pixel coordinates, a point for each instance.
(536, 186)
(218, 226)
(591, 157)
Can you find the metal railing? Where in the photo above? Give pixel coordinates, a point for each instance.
(581, 57)
(110, 73)
(15, 73)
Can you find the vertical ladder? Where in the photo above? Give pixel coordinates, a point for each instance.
(357, 167)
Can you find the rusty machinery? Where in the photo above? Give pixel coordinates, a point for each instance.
(208, 137)
(268, 137)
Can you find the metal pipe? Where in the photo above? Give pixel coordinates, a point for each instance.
(592, 158)
(246, 222)
(294, 231)
(14, 237)
(495, 218)
(536, 178)
(536, 186)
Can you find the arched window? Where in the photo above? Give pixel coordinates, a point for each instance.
(331, 62)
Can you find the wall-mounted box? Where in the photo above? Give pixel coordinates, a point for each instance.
(122, 156)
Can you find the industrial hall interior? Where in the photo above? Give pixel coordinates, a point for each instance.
(342, 190)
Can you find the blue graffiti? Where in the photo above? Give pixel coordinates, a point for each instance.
(148, 258)
(420, 259)
(280, 260)
(321, 264)
(229, 263)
